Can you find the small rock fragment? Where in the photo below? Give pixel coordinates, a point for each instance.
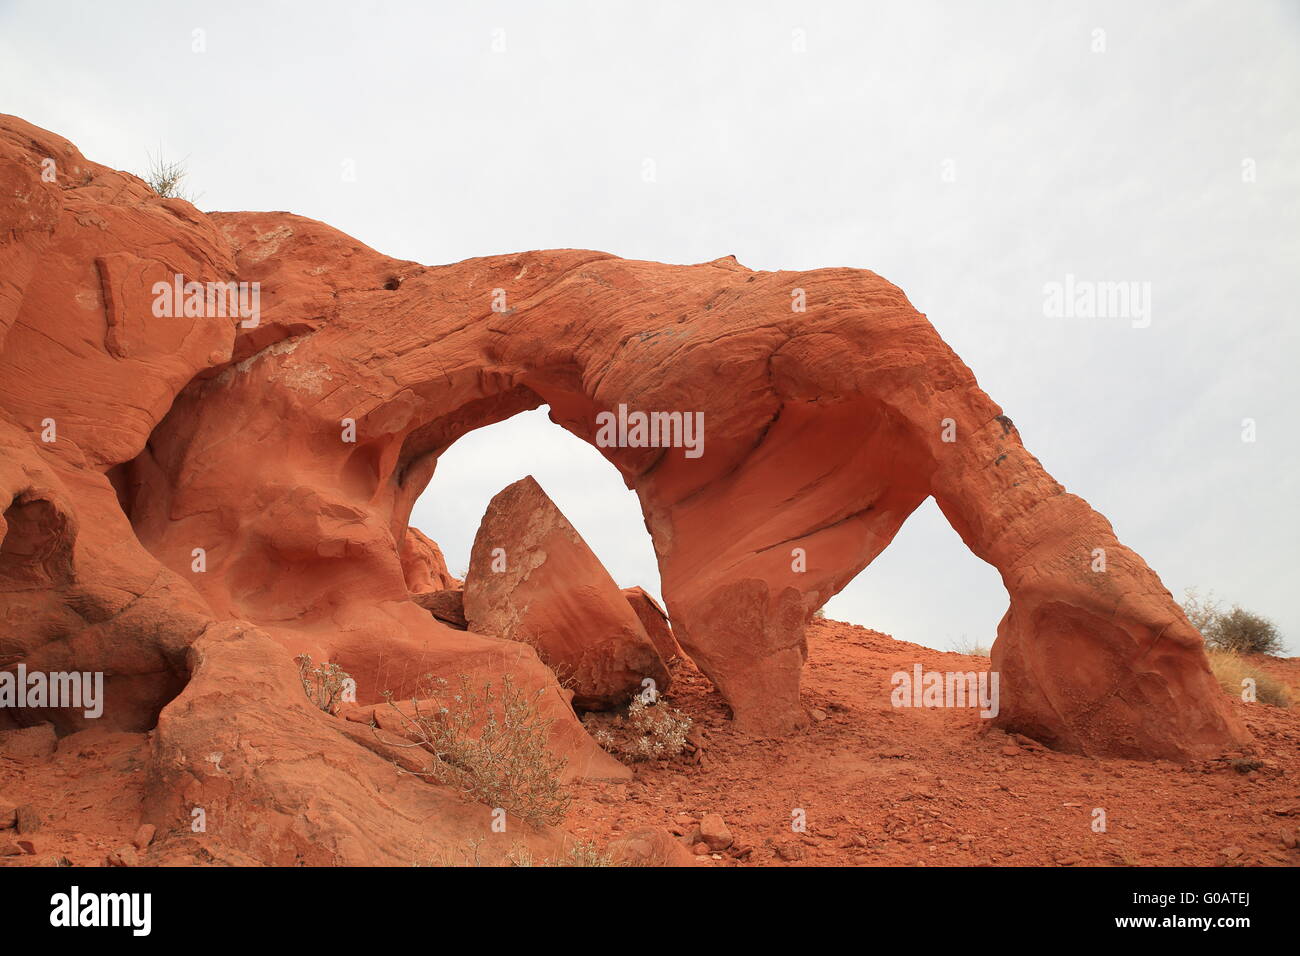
(790, 852)
(144, 835)
(714, 832)
(27, 819)
(650, 846)
(123, 856)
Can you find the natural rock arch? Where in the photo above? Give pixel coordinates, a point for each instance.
(824, 430)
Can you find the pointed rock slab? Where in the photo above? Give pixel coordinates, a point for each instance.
(533, 579)
(655, 621)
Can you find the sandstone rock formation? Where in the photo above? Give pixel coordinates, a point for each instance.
(188, 502)
(655, 621)
(447, 606)
(87, 375)
(423, 564)
(533, 579)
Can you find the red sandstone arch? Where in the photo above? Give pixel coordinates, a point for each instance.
(824, 431)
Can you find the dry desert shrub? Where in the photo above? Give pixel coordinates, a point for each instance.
(324, 684)
(1235, 629)
(1244, 632)
(648, 731)
(970, 647)
(577, 853)
(1231, 669)
(491, 745)
(164, 178)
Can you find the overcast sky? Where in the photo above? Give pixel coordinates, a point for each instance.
(970, 153)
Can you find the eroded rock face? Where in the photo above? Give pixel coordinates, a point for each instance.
(288, 785)
(423, 564)
(447, 605)
(87, 373)
(533, 579)
(288, 453)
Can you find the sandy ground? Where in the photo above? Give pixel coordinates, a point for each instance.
(904, 787)
(876, 785)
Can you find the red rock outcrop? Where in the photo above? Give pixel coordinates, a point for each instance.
(166, 477)
(655, 621)
(423, 564)
(447, 605)
(87, 374)
(532, 578)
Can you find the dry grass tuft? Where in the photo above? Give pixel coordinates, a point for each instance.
(1235, 672)
(164, 178)
(969, 647)
(491, 745)
(577, 853)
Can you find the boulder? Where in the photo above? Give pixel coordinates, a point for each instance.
(533, 579)
(655, 621)
(714, 832)
(31, 743)
(447, 606)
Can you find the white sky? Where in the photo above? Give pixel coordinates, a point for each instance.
(1119, 165)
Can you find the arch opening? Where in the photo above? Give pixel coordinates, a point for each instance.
(927, 588)
(587, 490)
